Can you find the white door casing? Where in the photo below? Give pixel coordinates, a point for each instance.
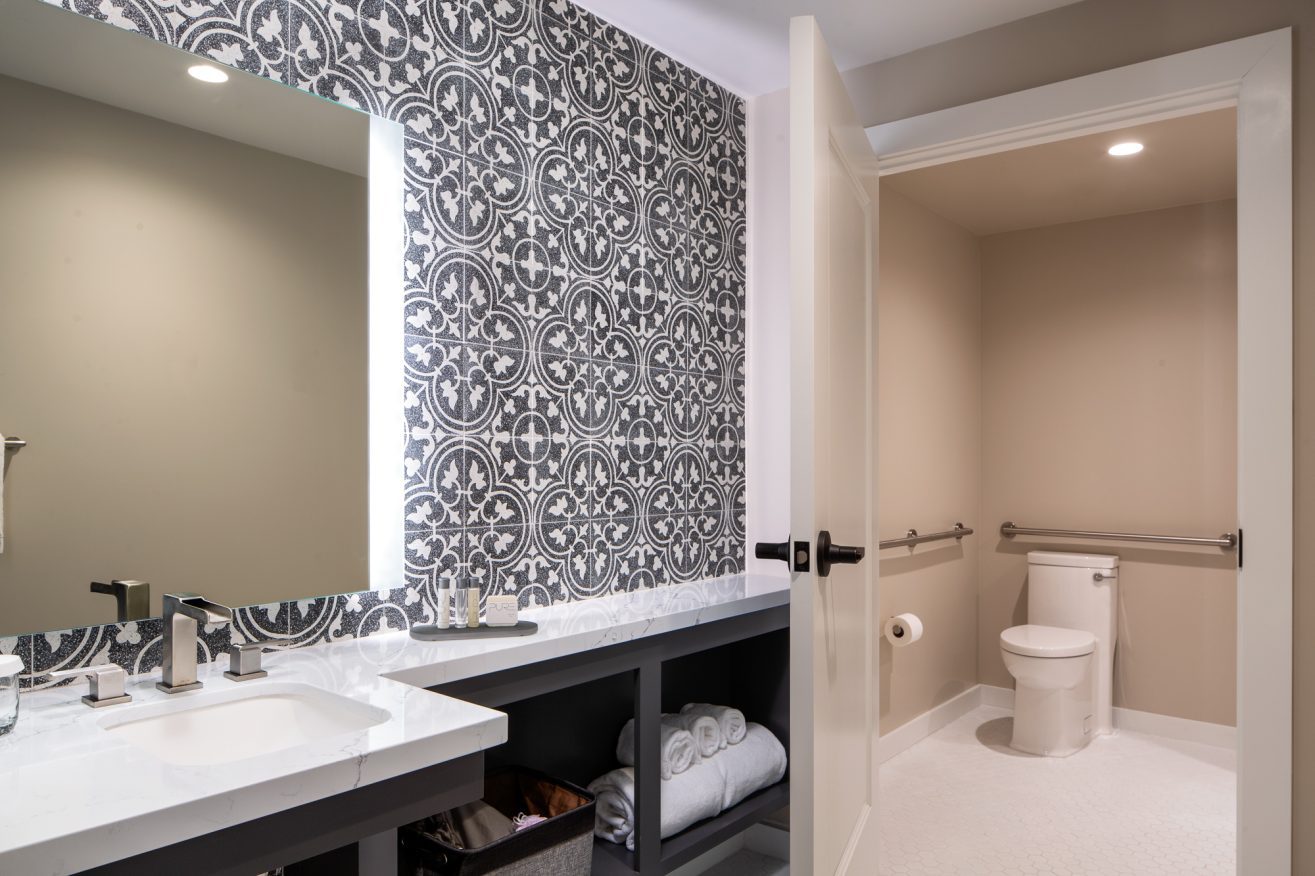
(1254, 74)
(834, 626)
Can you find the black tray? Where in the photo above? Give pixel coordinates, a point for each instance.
(431, 633)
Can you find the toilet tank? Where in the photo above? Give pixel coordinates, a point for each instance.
(1080, 592)
(1074, 591)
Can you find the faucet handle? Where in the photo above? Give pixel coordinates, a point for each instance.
(107, 683)
(132, 599)
(244, 660)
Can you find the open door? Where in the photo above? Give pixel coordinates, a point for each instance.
(834, 626)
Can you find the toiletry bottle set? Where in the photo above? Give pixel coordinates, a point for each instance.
(459, 607)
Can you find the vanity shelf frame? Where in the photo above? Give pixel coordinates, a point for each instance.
(639, 678)
(367, 816)
(643, 678)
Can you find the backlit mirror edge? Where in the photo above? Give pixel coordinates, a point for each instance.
(386, 246)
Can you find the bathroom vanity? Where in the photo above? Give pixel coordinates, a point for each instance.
(400, 729)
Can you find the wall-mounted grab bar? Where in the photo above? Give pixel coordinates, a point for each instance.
(912, 537)
(1228, 540)
(14, 443)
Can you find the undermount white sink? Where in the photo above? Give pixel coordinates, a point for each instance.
(216, 728)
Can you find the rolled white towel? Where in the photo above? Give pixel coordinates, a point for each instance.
(614, 805)
(708, 738)
(758, 761)
(687, 798)
(679, 752)
(731, 721)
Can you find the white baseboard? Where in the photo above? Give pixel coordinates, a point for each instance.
(999, 697)
(1182, 729)
(912, 732)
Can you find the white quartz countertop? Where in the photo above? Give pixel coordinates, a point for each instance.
(576, 627)
(73, 796)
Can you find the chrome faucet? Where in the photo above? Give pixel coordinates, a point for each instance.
(182, 612)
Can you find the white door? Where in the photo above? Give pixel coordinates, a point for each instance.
(834, 626)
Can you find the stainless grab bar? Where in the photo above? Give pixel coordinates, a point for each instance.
(1228, 540)
(912, 537)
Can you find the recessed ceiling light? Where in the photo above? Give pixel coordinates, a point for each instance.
(1129, 148)
(207, 73)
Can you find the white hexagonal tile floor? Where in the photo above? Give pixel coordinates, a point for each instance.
(962, 802)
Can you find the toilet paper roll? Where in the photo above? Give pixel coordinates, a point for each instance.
(903, 629)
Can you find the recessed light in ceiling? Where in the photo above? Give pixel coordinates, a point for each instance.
(207, 73)
(1129, 148)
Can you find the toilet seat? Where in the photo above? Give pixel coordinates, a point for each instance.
(1036, 640)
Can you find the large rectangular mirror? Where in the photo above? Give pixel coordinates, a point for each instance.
(185, 341)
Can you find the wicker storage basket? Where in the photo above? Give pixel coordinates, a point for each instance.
(560, 846)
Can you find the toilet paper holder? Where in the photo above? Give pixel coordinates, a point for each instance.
(902, 630)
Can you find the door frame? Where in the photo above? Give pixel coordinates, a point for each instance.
(1255, 75)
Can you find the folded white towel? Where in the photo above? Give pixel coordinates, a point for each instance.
(678, 749)
(687, 798)
(731, 721)
(758, 761)
(708, 738)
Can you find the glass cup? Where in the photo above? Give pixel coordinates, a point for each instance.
(8, 703)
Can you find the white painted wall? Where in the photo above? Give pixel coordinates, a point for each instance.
(767, 415)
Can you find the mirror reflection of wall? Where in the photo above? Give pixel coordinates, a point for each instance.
(183, 346)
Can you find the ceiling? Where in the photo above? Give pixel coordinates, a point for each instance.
(1187, 160)
(744, 44)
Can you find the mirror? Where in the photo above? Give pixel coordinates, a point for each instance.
(184, 331)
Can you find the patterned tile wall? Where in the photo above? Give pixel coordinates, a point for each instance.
(138, 645)
(575, 298)
(575, 317)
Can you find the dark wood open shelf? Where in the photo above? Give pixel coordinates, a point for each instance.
(610, 858)
(563, 716)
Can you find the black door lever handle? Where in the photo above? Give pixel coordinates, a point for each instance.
(828, 554)
(770, 550)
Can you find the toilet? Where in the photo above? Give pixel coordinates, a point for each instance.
(1062, 659)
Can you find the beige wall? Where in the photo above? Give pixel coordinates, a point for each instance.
(1098, 35)
(1079, 375)
(929, 471)
(1109, 399)
(182, 333)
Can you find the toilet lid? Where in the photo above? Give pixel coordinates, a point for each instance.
(1034, 640)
